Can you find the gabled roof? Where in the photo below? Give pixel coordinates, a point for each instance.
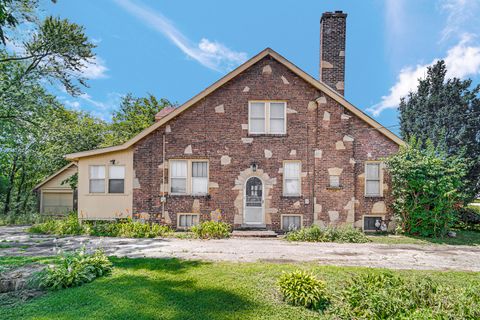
(54, 175)
(267, 52)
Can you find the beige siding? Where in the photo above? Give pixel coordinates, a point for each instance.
(56, 182)
(105, 205)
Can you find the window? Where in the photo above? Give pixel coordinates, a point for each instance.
(97, 179)
(116, 179)
(335, 181)
(372, 179)
(178, 173)
(267, 117)
(371, 223)
(199, 178)
(187, 220)
(291, 222)
(291, 178)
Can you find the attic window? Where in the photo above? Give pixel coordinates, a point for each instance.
(267, 117)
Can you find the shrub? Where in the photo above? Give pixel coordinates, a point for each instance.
(469, 218)
(426, 187)
(21, 219)
(335, 234)
(300, 288)
(211, 230)
(75, 269)
(68, 226)
(384, 295)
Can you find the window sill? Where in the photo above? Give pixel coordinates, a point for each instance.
(271, 135)
(373, 196)
(107, 194)
(292, 196)
(180, 195)
(334, 188)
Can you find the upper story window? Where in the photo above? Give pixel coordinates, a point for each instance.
(188, 177)
(97, 179)
(291, 178)
(267, 117)
(373, 179)
(116, 179)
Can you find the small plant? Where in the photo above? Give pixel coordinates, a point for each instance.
(330, 234)
(212, 230)
(68, 226)
(75, 269)
(300, 288)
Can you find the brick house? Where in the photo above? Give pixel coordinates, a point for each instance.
(265, 146)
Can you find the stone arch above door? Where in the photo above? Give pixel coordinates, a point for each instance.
(239, 200)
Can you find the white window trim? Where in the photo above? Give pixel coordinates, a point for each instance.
(291, 215)
(299, 179)
(381, 166)
(189, 181)
(267, 116)
(183, 214)
(382, 216)
(105, 179)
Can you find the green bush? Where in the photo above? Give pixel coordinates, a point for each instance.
(330, 234)
(384, 295)
(75, 269)
(211, 230)
(300, 288)
(21, 219)
(427, 188)
(123, 228)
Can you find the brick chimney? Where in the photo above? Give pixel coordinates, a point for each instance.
(332, 50)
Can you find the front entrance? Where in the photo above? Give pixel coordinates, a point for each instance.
(253, 208)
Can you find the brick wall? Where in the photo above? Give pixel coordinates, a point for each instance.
(313, 128)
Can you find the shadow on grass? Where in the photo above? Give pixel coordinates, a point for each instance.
(144, 289)
(463, 238)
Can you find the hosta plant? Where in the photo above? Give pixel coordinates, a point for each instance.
(300, 288)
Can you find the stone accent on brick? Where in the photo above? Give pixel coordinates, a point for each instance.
(352, 161)
(312, 106)
(225, 160)
(326, 116)
(267, 69)
(284, 80)
(196, 206)
(244, 126)
(347, 138)
(335, 171)
(293, 152)
(350, 208)
(340, 86)
(339, 145)
(246, 89)
(326, 65)
(168, 129)
(268, 154)
(188, 149)
(247, 140)
(219, 109)
(333, 216)
(290, 111)
(321, 100)
(379, 208)
(318, 154)
(345, 116)
(212, 185)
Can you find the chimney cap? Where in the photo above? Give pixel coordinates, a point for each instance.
(335, 14)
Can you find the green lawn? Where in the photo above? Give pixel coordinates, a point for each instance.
(175, 289)
(464, 238)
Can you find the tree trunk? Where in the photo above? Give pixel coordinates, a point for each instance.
(11, 180)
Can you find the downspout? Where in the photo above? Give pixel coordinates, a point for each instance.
(163, 177)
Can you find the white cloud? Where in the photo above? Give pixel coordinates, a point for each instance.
(462, 17)
(95, 68)
(210, 54)
(462, 60)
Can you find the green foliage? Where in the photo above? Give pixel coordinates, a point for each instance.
(469, 218)
(211, 230)
(123, 228)
(427, 188)
(385, 295)
(76, 269)
(300, 288)
(21, 219)
(446, 112)
(330, 234)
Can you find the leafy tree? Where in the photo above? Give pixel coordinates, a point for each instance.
(13, 13)
(446, 112)
(426, 187)
(134, 115)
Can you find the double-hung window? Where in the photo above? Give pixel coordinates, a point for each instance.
(178, 180)
(373, 179)
(267, 117)
(97, 179)
(116, 179)
(291, 178)
(199, 177)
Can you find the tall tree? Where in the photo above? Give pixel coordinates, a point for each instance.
(446, 111)
(134, 115)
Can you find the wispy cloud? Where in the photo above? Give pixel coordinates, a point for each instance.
(462, 17)
(210, 54)
(95, 68)
(462, 60)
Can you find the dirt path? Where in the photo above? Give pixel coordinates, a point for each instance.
(435, 257)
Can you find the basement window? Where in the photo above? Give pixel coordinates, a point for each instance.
(369, 223)
(187, 220)
(267, 117)
(291, 222)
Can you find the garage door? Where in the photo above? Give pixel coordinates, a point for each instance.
(57, 202)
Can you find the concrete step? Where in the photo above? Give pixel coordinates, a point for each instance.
(254, 234)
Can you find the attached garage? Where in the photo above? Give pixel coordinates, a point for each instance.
(55, 196)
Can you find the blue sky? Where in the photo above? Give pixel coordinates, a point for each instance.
(175, 49)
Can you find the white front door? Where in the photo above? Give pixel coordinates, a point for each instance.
(253, 201)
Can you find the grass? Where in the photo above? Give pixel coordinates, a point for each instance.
(464, 238)
(176, 289)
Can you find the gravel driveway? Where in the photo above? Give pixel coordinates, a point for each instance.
(435, 257)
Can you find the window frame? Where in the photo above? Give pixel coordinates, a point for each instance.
(330, 185)
(267, 117)
(104, 179)
(299, 179)
(382, 217)
(189, 178)
(290, 215)
(108, 178)
(380, 179)
(187, 214)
